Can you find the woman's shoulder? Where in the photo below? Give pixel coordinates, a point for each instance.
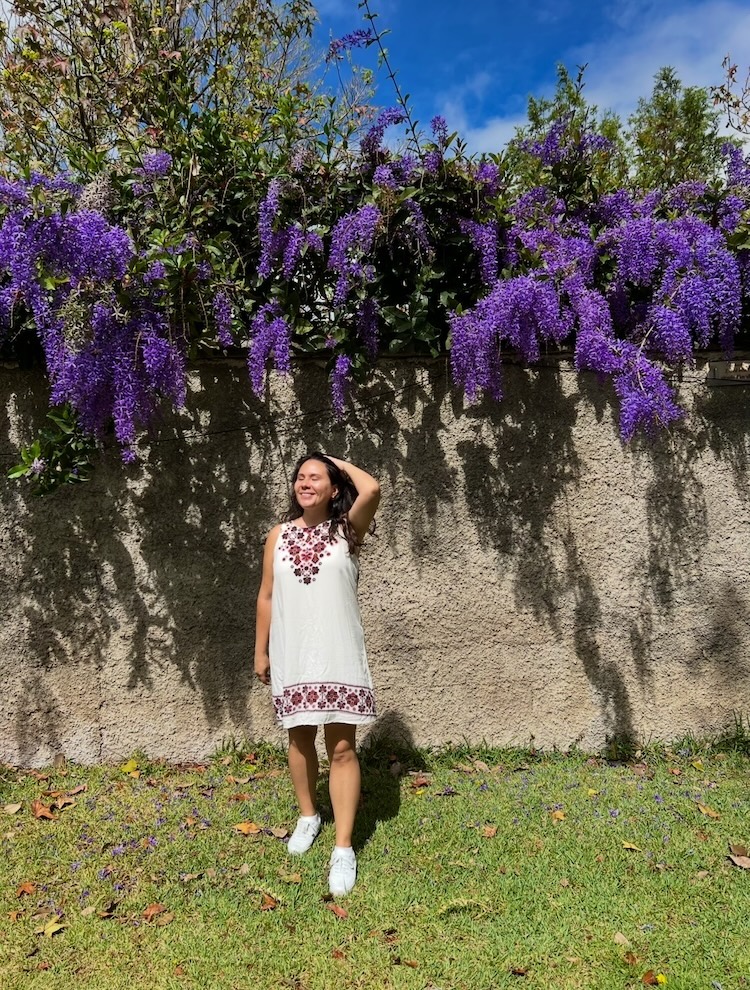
(273, 534)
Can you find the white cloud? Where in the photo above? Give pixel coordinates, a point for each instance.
(621, 69)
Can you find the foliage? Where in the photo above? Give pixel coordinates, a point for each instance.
(675, 135)
(215, 199)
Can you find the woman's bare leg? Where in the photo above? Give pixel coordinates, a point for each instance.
(303, 766)
(344, 780)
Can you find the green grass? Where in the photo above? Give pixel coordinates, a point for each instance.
(464, 876)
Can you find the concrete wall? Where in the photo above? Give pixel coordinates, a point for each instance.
(530, 576)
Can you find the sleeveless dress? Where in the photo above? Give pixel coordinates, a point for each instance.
(319, 670)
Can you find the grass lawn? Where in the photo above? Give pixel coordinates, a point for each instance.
(476, 870)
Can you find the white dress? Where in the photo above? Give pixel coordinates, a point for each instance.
(319, 669)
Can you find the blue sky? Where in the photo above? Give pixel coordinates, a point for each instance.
(477, 63)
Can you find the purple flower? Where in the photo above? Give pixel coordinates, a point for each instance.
(357, 39)
(156, 164)
(483, 237)
(371, 143)
(269, 337)
(38, 466)
(352, 237)
(367, 326)
(340, 384)
(223, 314)
(267, 213)
(439, 130)
(383, 176)
(155, 272)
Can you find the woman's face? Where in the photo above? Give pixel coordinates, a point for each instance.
(312, 486)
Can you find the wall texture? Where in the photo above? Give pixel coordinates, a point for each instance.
(530, 576)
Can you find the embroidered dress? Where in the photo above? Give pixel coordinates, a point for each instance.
(319, 669)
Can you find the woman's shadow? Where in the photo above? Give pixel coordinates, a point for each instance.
(386, 755)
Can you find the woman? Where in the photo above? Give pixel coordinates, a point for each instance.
(309, 643)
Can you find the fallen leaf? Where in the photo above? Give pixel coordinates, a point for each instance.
(242, 796)
(708, 812)
(464, 768)
(109, 910)
(621, 939)
(481, 765)
(135, 774)
(642, 770)
(248, 828)
(698, 764)
(226, 761)
(186, 877)
(51, 928)
(280, 833)
(702, 836)
(742, 861)
(336, 909)
(289, 877)
(44, 965)
(558, 816)
(165, 919)
(519, 970)
(338, 954)
(649, 978)
(489, 831)
(737, 850)
(130, 766)
(631, 958)
(78, 790)
(179, 971)
(12, 809)
(250, 758)
(26, 888)
(410, 962)
(574, 960)
(243, 870)
(15, 915)
(152, 910)
(701, 874)
(88, 911)
(591, 792)
(632, 847)
(420, 781)
(565, 882)
(40, 810)
(268, 903)
(238, 780)
(675, 771)
(64, 802)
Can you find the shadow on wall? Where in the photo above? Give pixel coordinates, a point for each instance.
(165, 573)
(153, 578)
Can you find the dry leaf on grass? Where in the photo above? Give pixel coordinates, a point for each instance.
(558, 816)
(248, 828)
(708, 812)
(336, 909)
(632, 847)
(12, 809)
(26, 888)
(268, 903)
(153, 910)
(621, 939)
(40, 810)
(489, 831)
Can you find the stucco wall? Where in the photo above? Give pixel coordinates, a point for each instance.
(530, 576)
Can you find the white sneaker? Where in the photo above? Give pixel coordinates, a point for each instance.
(343, 874)
(303, 836)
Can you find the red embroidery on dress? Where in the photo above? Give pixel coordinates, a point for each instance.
(325, 697)
(305, 549)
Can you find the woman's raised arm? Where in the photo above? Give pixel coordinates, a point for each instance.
(368, 496)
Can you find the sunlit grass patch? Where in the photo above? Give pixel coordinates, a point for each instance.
(476, 869)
